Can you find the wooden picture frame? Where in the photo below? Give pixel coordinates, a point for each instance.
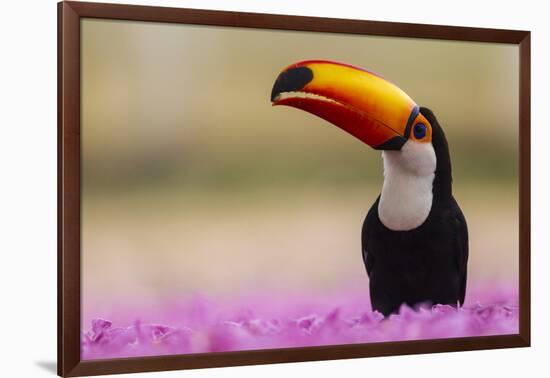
(69, 186)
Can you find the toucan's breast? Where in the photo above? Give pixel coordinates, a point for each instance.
(407, 192)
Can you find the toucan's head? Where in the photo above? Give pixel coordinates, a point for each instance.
(363, 104)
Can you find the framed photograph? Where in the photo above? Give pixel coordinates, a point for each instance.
(240, 188)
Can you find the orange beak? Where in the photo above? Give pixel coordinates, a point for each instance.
(361, 103)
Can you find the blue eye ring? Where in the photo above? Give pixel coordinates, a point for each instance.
(419, 131)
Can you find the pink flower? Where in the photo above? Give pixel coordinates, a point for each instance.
(201, 325)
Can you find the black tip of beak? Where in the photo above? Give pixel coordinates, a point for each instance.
(291, 80)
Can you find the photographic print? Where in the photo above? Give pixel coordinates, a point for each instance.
(251, 189)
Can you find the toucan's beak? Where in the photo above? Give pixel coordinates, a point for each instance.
(357, 101)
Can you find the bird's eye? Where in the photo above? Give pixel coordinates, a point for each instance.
(419, 131)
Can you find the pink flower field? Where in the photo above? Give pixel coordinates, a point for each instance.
(199, 324)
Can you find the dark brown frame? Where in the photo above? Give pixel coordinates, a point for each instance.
(69, 15)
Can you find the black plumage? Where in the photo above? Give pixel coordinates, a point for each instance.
(426, 265)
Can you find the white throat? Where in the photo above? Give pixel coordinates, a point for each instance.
(406, 198)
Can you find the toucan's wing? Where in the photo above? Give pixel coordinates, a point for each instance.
(368, 226)
(461, 248)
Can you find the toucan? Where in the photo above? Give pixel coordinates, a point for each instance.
(414, 237)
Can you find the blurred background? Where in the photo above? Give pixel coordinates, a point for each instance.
(193, 184)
